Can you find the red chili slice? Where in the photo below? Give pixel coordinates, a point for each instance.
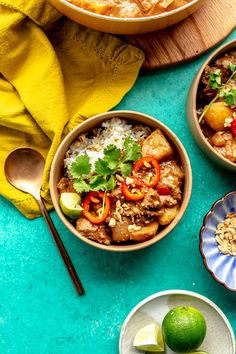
(162, 190)
(133, 188)
(143, 168)
(93, 199)
(233, 127)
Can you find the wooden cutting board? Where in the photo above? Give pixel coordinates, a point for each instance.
(209, 25)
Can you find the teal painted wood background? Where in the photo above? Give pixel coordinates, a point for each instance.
(40, 310)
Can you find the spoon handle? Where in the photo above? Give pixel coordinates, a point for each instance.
(61, 248)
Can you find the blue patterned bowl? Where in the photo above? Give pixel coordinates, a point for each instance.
(222, 267)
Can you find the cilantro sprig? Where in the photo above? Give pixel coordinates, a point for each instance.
(228, 96)
(102, 178)
(215, 79)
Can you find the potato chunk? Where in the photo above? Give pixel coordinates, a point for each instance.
(145, 233)
(156, 145)
(168, 215)
(216, 115)
(120, 231)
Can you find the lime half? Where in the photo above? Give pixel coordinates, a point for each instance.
(70, 205)
(149, 339)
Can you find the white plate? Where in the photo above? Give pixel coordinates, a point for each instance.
(219, 338)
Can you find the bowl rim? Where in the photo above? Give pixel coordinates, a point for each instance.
(193, 94)
(187, 185)
(132, 20)
(208, 214)
(176, 292)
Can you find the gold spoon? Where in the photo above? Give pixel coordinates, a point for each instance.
(24, 170)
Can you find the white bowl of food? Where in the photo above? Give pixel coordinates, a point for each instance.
(131, 179)
(217, 335)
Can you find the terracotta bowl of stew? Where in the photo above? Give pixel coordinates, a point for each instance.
(201, 136)
(136, 119)
(123, 25)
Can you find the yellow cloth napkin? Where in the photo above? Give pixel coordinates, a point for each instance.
(53, 74)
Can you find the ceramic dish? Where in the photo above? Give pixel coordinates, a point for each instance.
(222, 267)
(155, 307)
(125, 25)
(88, 125)
(192, 114)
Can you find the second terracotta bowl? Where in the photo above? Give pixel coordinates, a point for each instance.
(88, 125)
(192, 117)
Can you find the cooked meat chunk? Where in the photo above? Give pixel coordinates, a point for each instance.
(116, 193)
(168, 200)
(98, 233)
(139, 212)
(228, 150)
(172, 177)
(151, 199)
(218, 139)
(65, 185)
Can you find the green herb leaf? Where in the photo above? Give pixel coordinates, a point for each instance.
(102, 168)
(215, 79)
(111, 183)
(81, 186)
(126, 169)
(132, 150)
(232, 67)
(80, 167)
(112, 155)
(97, 183)
(230, 97)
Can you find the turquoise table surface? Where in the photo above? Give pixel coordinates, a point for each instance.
(41, 312)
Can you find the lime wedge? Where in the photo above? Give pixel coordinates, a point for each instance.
(70, 205)
(149, 339)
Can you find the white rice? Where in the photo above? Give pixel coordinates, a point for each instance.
(113, 131)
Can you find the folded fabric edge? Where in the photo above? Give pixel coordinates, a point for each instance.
(30, 213)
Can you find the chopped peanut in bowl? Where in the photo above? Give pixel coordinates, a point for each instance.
(226, 235)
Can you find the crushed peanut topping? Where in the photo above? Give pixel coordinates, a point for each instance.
(226, 235)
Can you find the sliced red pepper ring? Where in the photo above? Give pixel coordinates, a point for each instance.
(143, 168)
(90, 207)
(133, 188)
(163, 190)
